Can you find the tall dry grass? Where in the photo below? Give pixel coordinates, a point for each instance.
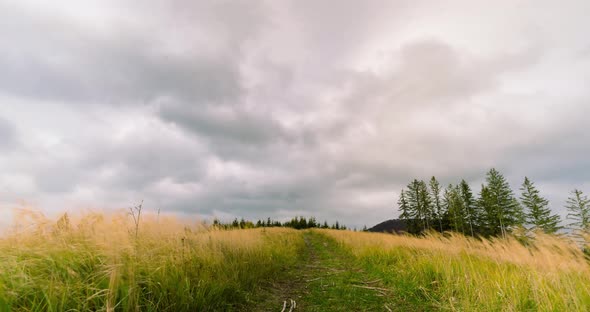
(459, 273)
(95, 262)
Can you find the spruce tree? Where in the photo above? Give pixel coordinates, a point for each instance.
(486, 217)
(468, 206)
(417, 223)
(454, 207)
(505, 207)
(578, 207)
(407, 214)
(312, 223)
(425, 204)
(437, 202)
(537, 214)
(403, 207)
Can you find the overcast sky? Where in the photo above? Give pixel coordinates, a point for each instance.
(283, 108)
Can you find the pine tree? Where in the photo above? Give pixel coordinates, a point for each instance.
(454, 206)
(312, 223)
(505, 207)
(486, 217)
(537, 213)
(419, 207)
(408, 215)
(578, 207)
(437, 202)
(469, 206)
(416, 222)
(302, 223)
(425, 204)
(403, 207)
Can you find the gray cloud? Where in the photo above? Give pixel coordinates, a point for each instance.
(7, 135)
(555, 154)
(141, 159)
(282, 108)
(58, 57)
(228, 124)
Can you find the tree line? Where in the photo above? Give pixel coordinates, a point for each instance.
(495, 211)
(298, 223)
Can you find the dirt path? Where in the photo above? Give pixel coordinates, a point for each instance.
(284, 293)
(327, 279)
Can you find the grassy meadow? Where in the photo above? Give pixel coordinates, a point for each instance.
(457, 273)
(99, 263)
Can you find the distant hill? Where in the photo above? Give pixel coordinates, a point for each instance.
(390, 226)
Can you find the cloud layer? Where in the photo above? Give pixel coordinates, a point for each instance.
(283, 108)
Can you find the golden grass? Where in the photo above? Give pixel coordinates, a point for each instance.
(94, 262)
(548, 252)
(458, 273)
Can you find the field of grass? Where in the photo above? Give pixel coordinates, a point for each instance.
(96, 263)
(99, 263)
(456, 273)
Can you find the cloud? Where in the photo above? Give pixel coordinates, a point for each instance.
(7, 135)
(59, 57)
(146, 154)
(225, 123)
(282, 108)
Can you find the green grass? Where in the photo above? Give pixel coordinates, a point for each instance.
(98, 264)
(462, 274)
(168, 268)
(336, 282)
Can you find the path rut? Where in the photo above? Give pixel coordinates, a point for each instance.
(327, 279)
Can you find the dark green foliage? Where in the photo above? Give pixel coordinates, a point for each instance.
(418, 209)
(312, 223)
(495, 212)
(486, 214)
(425, 205)
(437, 205)
(403, 206)
(537, 214)
(453, 204)
(578, 207)
(298, 223)
(408, 214)
(503, 212)
(469, 207)
(416, 222)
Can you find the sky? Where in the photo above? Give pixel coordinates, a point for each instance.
(280, 108)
